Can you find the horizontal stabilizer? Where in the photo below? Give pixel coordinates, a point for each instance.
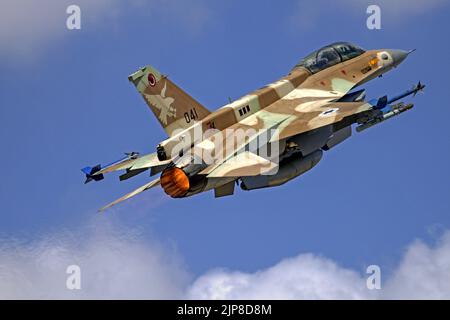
(242, 165)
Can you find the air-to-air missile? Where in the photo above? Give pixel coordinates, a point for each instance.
(393, 110)
(95, 173)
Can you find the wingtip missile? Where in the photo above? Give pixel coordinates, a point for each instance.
(93, 174)
(90, 173)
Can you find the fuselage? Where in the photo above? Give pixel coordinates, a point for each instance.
(329, 74)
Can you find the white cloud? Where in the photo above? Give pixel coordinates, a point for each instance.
(29, 27)
(303, 277)
(116, 264)
(423, 273)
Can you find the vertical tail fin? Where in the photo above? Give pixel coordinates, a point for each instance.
(173, 107)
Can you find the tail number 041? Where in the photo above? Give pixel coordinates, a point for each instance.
(191, 115)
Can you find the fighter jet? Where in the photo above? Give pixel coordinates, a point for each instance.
(265, 138)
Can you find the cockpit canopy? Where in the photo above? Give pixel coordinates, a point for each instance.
(329, 56)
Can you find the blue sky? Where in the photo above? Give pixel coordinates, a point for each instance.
(65, 102)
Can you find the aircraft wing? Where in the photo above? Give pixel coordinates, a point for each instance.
(236, 161)
(147, 186)
(133, 163)
(320, 114)
(313, 105)
(295, 119)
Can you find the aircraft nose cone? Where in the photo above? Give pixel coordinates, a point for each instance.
(398, 55)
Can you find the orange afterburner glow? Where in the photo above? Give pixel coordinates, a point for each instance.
(174, 182)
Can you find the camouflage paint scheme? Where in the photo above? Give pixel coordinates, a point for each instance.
(307, 109)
